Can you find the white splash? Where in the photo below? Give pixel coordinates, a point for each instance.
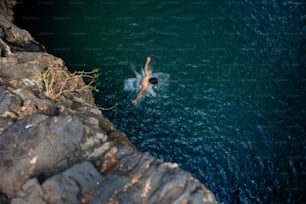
(133, 84)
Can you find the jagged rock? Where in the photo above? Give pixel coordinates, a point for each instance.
(31, 192)
(5, 50)
(134, 177)
(140, 180)
(8, 101)
(12, 37)
(6, 8)
(40, 144)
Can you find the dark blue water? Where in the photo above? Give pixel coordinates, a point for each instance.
(230, 105)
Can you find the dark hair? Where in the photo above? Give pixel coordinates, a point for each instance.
(153, 80)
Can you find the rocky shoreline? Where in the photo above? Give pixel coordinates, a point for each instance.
(64, 150)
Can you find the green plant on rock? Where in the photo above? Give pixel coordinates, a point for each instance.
(58, 81)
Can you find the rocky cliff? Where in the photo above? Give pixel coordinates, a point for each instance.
(62, 150)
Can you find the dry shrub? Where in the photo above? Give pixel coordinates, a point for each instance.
(59, 81)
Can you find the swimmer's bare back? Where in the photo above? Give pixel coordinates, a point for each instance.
(144, 81)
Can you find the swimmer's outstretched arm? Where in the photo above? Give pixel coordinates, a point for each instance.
(146, 67)
(139, 94)
(144, 85)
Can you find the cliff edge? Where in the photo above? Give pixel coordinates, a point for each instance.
(63, 150)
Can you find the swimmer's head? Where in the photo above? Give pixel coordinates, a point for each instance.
(153, 80)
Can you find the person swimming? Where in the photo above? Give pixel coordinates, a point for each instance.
(146, 79)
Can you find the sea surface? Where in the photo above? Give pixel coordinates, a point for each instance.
(230, 104)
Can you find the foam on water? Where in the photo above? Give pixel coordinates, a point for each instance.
(133, 84)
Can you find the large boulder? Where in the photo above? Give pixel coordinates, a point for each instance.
(13, 38)
(6, 8)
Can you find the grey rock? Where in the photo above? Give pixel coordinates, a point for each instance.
(41, 144)
(66, 187)
(139, 178)
(31, 192)
(12, 37)
(8, 101)
(71, 185)
(6, 8)
(5, 50)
